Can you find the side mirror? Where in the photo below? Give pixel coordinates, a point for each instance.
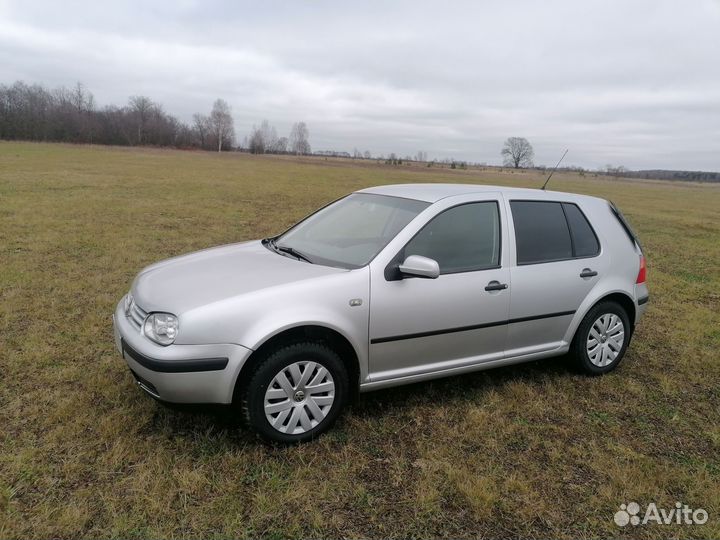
(419, 266)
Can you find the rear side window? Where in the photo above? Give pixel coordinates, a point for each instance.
(585, 243)
(547, 231)
(541, 232)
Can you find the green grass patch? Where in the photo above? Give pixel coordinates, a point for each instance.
(525, 451)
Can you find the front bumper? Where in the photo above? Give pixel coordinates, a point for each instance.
(179, 373)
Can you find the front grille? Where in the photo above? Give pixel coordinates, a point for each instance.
(137, 315)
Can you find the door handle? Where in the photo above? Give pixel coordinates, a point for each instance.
(588, 273)
(496, 286)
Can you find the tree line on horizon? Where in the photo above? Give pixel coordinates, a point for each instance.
(36, 113)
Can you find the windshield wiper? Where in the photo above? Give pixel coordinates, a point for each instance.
(289, 250)
(294, 252)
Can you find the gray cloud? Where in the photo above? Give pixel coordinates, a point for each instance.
(632, 83)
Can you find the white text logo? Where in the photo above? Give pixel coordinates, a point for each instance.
(681, 514)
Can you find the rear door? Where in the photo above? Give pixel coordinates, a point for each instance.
(557, 261)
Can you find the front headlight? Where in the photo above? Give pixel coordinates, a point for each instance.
(128, 303)
(162, 328)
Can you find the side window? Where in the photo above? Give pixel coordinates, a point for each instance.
(585, 243)
(461, 239)
(541, 232)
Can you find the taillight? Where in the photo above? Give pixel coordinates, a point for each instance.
(643, 270)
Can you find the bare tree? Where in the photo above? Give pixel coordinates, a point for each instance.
(203, 127)
(617, 172)
(517, 152)
(269, 136)
(82, 100)
(367, 154)
(256, 144)
(300, 138)
(222, 123)
(141, 106)
(264, 140)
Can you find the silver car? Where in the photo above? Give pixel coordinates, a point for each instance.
(387, 286)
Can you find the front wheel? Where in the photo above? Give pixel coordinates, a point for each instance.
(296, 393)
(601, 339)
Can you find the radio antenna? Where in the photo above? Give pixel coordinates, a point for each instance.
(554, 169)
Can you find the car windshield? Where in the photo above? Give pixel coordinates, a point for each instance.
(350, 232)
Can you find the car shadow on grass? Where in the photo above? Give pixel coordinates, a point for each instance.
(460, 388)
(224, 420)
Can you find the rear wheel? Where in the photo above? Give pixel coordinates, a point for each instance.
(601, 339)
(296, 393)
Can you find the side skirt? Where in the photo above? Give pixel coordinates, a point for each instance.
(369, 386)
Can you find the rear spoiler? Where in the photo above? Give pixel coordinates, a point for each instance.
(625, 225)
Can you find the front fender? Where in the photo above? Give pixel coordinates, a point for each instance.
(253, 318)
(347, 325)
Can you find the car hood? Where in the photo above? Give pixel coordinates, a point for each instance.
(189, 281)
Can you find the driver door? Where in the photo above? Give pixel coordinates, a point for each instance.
(420, 325)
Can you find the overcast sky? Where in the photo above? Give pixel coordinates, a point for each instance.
(634, 83)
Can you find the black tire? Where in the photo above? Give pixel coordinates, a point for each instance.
(578, 348)
(252, 397)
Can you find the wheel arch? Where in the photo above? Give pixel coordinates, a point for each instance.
(304, 332)
(622, 298)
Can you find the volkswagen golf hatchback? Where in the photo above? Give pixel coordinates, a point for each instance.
(387, 286)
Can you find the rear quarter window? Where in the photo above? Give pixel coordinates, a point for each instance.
(585, 242)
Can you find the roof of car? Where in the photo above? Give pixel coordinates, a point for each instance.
(434, 192)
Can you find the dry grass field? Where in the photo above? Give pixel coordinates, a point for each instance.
(534, 450)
